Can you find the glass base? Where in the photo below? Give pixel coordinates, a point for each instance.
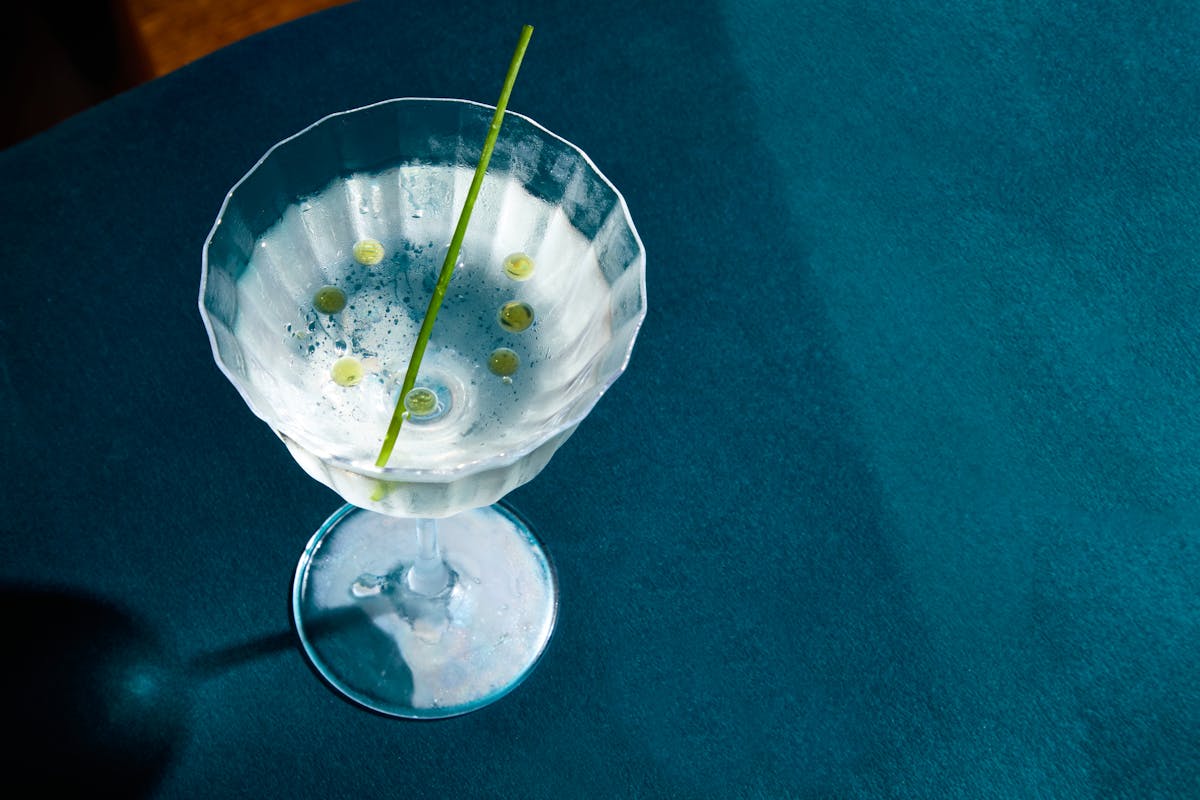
(424, 655)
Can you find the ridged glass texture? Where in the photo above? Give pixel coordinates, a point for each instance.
(397, 173)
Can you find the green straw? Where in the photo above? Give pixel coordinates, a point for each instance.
(439, 291)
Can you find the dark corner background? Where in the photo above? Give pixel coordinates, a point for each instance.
(62, 56)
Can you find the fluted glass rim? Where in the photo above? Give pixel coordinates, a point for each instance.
(499, 460)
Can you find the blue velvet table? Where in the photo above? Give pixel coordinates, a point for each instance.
(899, 496)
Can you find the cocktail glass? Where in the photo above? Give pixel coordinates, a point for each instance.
(425, 595)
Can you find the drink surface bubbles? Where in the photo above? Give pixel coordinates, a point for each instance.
(344, 317)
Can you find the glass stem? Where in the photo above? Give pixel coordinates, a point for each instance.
(428, 575)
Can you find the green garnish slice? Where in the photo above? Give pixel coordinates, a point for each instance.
(504, 362)
(518, 266)
(329, 300)
(515, 316)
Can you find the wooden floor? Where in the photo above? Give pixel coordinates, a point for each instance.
(57, 61)
(176, 32)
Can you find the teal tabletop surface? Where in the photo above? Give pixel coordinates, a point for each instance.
(899, 496)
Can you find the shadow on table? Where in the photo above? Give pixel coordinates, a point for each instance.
(96, 701)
